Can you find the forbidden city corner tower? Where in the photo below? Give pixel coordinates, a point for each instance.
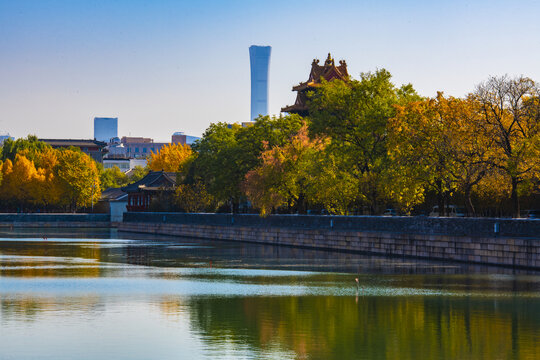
(259, 57)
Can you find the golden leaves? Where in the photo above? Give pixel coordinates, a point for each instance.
(171, 158)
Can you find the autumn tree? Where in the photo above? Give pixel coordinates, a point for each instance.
(436, 144)
(20, 182)
(510, 113)
(171, 158)
(79, 179)
(354, 115)
(283, 177)
(49, 191)
(227, 152)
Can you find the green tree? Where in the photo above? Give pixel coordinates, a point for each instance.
(227, 152)
(31, 144)
(354, 115)
(194, 198)
(217, 162)
(113, 178)
(329, 184)
(137, 173)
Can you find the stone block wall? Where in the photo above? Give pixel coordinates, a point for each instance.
(494, 250)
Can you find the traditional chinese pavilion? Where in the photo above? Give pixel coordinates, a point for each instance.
(329, 71)
(140, 193)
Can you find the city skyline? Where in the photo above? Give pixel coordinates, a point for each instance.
(179, 66)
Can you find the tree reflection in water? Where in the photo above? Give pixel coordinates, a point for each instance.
(451, 311)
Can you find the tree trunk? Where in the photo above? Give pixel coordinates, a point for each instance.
(470, 206)
(514, 197)
(440, 198)
(300, 204)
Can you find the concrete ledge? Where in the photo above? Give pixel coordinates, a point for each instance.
(59, 224)
(54, 220)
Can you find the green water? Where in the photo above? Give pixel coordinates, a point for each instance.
(99, 294)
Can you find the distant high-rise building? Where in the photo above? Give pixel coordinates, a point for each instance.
(105, 128)
(178, 138)
(259, 57)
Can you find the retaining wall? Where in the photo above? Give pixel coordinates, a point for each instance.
(50, 220)
(470, 240)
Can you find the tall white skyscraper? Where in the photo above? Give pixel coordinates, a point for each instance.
(259, 57)
(105, 128)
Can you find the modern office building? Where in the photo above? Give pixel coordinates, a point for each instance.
(179, 138)
(191, 139)
(123, 163)
(140, 147)
(105, 128)
(259, 57)
(4, 137)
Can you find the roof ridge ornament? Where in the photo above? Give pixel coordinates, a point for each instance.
(329, 60)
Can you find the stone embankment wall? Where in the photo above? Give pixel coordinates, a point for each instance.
(509, 242)
(54, 220)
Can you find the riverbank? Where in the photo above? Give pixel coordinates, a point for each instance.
(50, 220)
(506, 242)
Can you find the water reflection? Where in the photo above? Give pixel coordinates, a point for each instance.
(144, 297)
(375, 327)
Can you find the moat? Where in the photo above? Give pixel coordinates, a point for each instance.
(87, 294)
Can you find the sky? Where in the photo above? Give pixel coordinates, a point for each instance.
(167, 66)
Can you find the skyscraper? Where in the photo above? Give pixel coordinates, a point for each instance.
(259, 57)
(105, 128)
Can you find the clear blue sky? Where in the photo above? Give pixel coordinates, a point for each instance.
(166, 66)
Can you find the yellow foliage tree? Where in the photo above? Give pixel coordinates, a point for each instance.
(510, 115)
(49, 190)
(21, 181)
(283, 178)
(79, 178)
(172, 158)
(6, 190)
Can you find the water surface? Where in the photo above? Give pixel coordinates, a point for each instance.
(92, 294)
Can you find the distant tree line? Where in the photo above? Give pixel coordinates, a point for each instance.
(34, 177)
(367, 145)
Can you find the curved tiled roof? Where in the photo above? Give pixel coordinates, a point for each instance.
(329, 71)
(154, 179)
